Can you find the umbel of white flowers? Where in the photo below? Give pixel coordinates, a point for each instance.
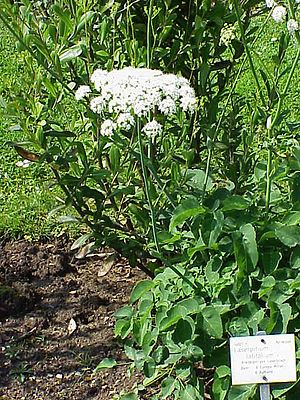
(133, 92)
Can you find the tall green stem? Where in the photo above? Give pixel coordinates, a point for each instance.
(145, 178)
(150, 10)
(237, 12)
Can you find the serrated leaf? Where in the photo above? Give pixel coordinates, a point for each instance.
(141, 288)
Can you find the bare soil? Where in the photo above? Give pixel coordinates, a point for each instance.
(57, 324)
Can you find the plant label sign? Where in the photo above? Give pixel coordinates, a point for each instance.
(263, 359)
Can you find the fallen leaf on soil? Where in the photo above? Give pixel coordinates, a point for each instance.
(72, 326)
(107, 264)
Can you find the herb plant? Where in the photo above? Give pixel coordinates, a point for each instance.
(160, 158)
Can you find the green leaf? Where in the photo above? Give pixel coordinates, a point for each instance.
(81, 241)
(270, 260)
(68, 219)
(184, 331)
(295, 258)
(190, 393)
(244, 392)
(279, 318)
(82, 154)
(186, 210)
(124, 312)
(250, 246)
(114, 158)
(212, 322)
(235, 203)
(289, 235)
(129, 396)
(167, 387)
(71, 53)
(221, 383)
(174, 315)
(85, 19)
(105, 363)
(238, 327)
(141, 288)
(60, 134)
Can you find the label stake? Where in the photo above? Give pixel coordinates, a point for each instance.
(264, 389)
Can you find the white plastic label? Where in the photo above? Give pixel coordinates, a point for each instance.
(263, 359)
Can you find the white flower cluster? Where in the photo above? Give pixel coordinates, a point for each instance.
(279, 13)
(227, 34)
(152, 128)
(132, 92)
(292, 26)
(82, 92)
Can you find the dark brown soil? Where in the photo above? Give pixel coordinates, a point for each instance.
(42, 288)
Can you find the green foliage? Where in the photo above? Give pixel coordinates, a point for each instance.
(210, 208)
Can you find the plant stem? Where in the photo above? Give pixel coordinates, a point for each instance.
(150, 10)
(237, 12)
(145, 178)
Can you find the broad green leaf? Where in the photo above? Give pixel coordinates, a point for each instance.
(216, 227)
(293, 218)
(167, 387)
(141, 288)
(270, 260)
(221, 383)
(190, 393)
(289, 235)
(212, 322)
(244, 392)
(174, 315)
(250, 246)
(279, 318)
(238, 327)
(186, 210)
(105, 363)
(280, 293)
(235, 203)
(124, 312)
(184, 331)
(295, 258)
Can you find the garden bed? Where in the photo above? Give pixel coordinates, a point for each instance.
(44, 287)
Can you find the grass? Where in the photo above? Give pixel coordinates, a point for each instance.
(25, 198)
